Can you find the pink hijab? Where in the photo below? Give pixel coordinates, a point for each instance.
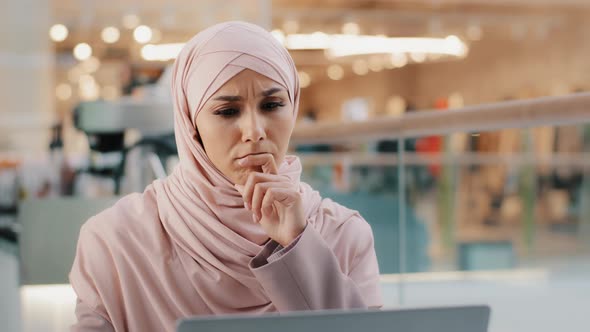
(209, 60)
(183, 246)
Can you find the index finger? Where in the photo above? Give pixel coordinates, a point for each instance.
(265, 160)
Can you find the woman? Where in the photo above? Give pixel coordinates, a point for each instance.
(231, 230)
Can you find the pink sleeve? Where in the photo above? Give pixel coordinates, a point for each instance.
(89, 320)
(306, 275)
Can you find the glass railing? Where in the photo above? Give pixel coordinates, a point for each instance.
(487, 204)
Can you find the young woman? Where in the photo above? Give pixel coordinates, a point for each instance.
(232, 229)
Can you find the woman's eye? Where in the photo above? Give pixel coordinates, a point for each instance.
(270, 106)
(227, 112)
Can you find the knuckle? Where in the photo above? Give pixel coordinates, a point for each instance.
(269, 197)
(257, 187)
(251, 178)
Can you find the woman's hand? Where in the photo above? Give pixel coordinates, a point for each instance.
(275, 202)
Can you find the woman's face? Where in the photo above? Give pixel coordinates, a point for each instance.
(249, 114)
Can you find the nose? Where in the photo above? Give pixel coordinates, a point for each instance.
(252, 126)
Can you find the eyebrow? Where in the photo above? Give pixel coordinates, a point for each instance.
(264, 93)
(270, 92)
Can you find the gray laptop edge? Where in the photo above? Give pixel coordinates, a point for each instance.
(441, 319)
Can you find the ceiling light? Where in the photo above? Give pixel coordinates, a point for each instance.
(375, 64)
(343, 45)
(142, 34)
(58, 32)
(304, 79)
(161, 52)
(82, 51)
(351, 28)
(350, 45)
(399, 60)
(335, 72)
(110, 35)
(88, 89)
(360, 67)
(316, 40)
(418, 57)
(454, 46)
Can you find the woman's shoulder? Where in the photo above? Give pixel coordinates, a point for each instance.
(134, 215)
(122, 240)
(124, 211)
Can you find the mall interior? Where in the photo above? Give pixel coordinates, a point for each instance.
(458, 129)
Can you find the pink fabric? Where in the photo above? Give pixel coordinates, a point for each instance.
(187, 246)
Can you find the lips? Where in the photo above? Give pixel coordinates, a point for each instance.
(252, 154)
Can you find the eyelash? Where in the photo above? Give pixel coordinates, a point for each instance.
(266, 107)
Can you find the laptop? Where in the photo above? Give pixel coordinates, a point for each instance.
(440, 319)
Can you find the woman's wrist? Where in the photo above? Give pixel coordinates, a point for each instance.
(292, 237)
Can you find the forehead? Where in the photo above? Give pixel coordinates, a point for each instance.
(248, 80)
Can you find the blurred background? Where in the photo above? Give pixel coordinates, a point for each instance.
(490, 209)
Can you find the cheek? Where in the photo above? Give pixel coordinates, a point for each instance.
(219, 155)
(215, 131)
(216, 143)
(281, 133)
(282, 128)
